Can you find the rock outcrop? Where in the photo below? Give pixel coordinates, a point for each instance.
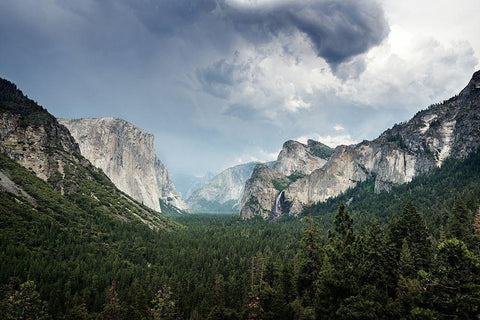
(126, 154)
(223, 192)
(448, 129)
(264, 190)
(300, 158)
(260, 192)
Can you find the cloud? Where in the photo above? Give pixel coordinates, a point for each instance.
(411, 71)
(259, 155)
(337, 30)
(331, 141)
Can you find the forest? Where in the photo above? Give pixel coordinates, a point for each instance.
(412, 253)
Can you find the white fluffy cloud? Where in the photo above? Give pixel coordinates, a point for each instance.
(330, 140)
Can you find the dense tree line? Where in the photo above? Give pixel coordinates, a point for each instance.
(59, 261)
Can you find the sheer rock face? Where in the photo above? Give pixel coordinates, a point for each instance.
(223, 192)
(449, 129)
(295, 158)
(260, 192)
(126, 154)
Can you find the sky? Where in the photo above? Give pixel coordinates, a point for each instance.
(224, 82)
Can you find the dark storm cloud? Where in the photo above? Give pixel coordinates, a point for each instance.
(338, 30)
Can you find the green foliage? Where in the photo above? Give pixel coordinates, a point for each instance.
(88, 264)
(163, 305)
(25, 303)
(283, 182)
(460, 221)
(321, 151)
(14, 101)
(453, 286)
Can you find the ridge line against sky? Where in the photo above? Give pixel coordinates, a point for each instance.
(224, 82)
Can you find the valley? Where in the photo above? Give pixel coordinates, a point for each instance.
(96, 229)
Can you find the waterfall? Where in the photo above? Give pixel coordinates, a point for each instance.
(277, 209)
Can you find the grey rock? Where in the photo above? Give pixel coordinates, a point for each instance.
(126, 154)
(448, 129)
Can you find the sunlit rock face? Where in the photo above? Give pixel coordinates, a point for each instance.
(298, 157)
(260, 192)
(448, 129)
(263, 191)
(126, 154)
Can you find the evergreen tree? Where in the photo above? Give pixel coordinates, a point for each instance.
(25, 303)
(344, 226)
(460, 222)
(112, 309)
(164, 306)
(338, 279)
(453, 286)
(309, 260)
(410, 227)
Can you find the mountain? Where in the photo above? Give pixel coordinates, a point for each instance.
(68, 182)
(264, 189)
(223, 192)
(448, 129)
(187, 183)
(126, 154)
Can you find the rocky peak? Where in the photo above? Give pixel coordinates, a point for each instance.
(34, 139)
(301, 158)
(126, 154)
(472, 90)
(448, 129)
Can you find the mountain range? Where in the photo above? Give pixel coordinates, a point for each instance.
(448, 129)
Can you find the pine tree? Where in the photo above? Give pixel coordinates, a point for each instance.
(410, 226)
(25, 303)
(112, 308)
(338, 280)
(164, 306)
(460, 224)
(344, 226)
(453, 286)
(309, 260)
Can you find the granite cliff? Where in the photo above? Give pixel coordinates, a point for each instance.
(33, 138)
(448, 129)
(264, 194)
(126, 154)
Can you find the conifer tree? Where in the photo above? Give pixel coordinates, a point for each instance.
(164, 306)
(25, 303)
(410, 226)
(460, 224)
(112, 308)
(453, 286)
